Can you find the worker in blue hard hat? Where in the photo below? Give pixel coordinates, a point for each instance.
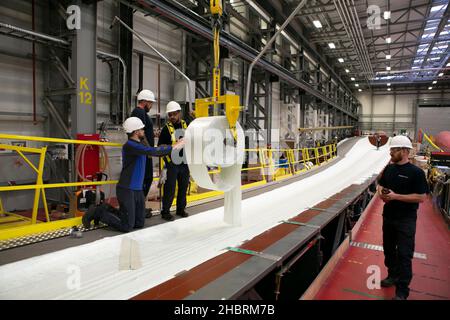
(145, 100)
(129, 188)
(402, 186)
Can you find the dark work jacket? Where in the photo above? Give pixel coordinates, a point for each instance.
(134, 157)
(141, 114)
(149, 135)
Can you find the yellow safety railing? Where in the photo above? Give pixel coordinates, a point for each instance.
(427, 138)
(267, 166)
(193, 197)
(259, 165)
(39, 171)
(14, 225)
(269, 169)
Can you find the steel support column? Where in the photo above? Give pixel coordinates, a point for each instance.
(268, 106)
(395, 111)
(84, 60)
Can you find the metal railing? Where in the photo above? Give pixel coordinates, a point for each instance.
(269, 168)
(16, 225)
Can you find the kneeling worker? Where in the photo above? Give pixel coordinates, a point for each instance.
(177, 169)
(129, 189)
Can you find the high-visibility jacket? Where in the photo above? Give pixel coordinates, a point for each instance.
(171, 129)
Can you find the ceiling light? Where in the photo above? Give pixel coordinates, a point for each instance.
(389, 89)
(437, 8)
(388, 84)
(388, 68)
(429, 88)
(346, 70)
(388, 56)
(448, 64)
(440, 74)
(359, 90)
(331, 45)
(428, 35)
(356, 85)
(434, 82)
(317, 24)
(388, 40)
(386, 15)
(341, 60)
(353, 79)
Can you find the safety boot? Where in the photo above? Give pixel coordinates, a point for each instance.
(388, 282)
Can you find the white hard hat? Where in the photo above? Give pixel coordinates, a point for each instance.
(401, 142)
(133, 124)
(146, 95)
(173, 106)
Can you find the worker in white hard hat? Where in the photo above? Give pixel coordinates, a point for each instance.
(129, 188)
(402, 186)
(145, 100)
(378, 140)
(177, 168)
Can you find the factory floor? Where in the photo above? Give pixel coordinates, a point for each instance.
(431, 276)
(48, 246)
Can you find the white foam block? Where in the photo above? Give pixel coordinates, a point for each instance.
(209, 143)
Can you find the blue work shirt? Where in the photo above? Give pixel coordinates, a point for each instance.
(134, 157)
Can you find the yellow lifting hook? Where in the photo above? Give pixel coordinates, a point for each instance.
(231, 102)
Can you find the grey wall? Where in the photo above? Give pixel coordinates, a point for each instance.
(16, 74)
(433, 120)
(391, 112)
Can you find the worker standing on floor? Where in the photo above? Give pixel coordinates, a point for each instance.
(129, 188)
(145, 101)
(177, 169)
(402, 187)
(378, 140)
